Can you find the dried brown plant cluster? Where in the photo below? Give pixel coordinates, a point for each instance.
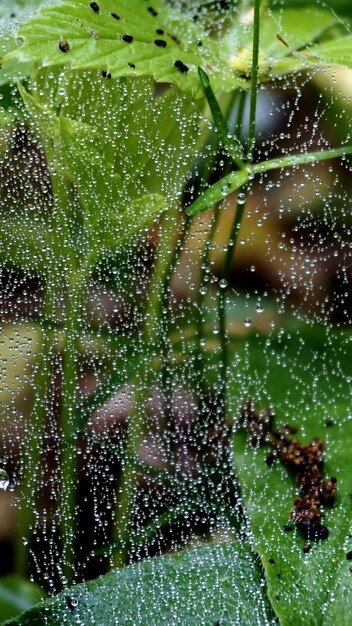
(306, 463)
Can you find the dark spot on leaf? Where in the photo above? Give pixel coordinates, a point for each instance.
(287, 528)
(322, 532)
(272, 561)
(127, 38)
(349, 556)
(132, 65)
(181, 67)
(106, 74)
(94, 6)
(117, 17)
(152, 11)
(64, 46)
(160, 42)
(159, 31)
(13, 15)
(306, 548)
(175, 38)
(282, 40)
(199, 43)
(329, 423)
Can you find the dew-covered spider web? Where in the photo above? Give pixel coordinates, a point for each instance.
(175, 352)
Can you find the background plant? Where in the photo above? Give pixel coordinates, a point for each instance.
(114, 153)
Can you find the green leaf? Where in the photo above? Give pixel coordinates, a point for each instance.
(12, 12)
(333, 52)
(125, 153)
(111, 214)
(10, 15)
(26, 243)
(305, 378)
(288, 42)
(341, 7)
(210, 584)
(17, 595)
(121, 127)
(230, 142)
(158, 37)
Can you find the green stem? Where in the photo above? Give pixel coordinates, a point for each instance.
(166, 257)
(236, 224)
(233, 146)
(69, 430)
(299, 159)
(75, 279)
(233, 181)
(224, 362)
(127, 490)
(200, 334)
(254, 81)
(33, 456)
(229, 142)
(165, 324)
(240, 114)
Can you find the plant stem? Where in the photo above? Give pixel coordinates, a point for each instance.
(235, 180)
(236, 224)
(69, 430)
(165, 311)
(66, 268)
(299, 159)
(165, 262)
(230, 142)
(200, 334)
(254, 81)
(126, 495)
(234, 151)
(33, 456)
(240, 114)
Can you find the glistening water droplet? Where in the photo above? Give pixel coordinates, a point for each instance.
(4, 479)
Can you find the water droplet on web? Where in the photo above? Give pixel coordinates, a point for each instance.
(223, 283)
(226, 189)
(247, 322)
(241, 198)
(72, 603)
(259, 307)
(4, 479)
